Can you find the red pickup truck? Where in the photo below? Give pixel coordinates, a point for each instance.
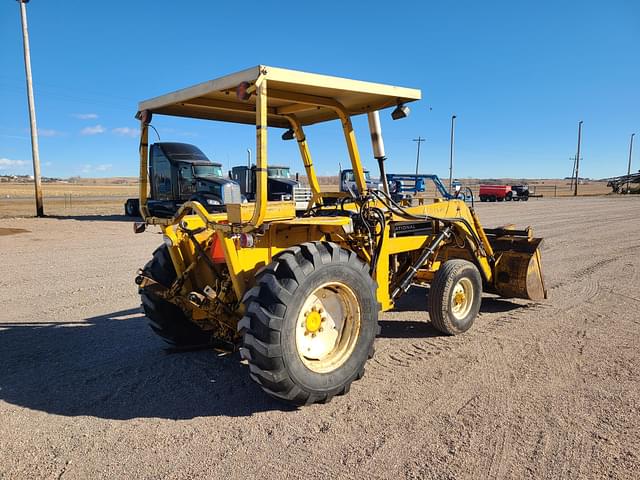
(491, 193)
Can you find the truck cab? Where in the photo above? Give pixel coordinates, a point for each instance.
(281, 184)
(180, 172)
(348, 181)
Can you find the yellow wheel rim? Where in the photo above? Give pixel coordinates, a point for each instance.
(328, 327)
(462, 298)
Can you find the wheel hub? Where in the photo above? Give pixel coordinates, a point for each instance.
(313, 321)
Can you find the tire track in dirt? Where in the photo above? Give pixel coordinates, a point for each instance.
(391, 355)
(404, 356)
(583, 285)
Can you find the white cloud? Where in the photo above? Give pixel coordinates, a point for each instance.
(49, 132)
(95, 130)
(88, 168)
(126, 131)
(19, 137)
(6, 163)
(182, 133)
(85, 116)
(47, 164)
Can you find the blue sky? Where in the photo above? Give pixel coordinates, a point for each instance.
(519, 76)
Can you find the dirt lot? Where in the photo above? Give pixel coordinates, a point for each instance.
(548, 390)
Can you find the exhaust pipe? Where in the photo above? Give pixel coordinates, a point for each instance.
(378, 146)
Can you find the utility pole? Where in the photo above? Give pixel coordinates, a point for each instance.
(453, 126)
(575, 191)
(32, 110)
(573, 172)
(629, 166)
(419, 140)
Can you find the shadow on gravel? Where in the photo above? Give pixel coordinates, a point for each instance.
(113, 367)
(93, 218)
(407, 329)
(415, 300)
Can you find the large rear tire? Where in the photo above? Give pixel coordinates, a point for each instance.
(166, 319)
(310, 323)
(454, 296)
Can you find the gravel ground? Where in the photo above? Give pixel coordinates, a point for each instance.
(534, 390)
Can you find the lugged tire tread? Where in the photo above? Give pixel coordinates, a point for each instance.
(264, 316)
(166, 319)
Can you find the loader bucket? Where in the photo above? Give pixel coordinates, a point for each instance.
(518, 269)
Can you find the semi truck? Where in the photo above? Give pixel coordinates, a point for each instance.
(281, 185)
(181, 172)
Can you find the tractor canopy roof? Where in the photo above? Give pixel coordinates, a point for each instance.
(288, 92)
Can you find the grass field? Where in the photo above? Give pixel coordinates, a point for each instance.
(67, 199)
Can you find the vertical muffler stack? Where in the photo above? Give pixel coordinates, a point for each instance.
(378, 146)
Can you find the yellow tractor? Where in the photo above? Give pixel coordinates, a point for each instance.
(299, 294)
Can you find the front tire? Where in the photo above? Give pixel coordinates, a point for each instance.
(310, 323)
(454, 296)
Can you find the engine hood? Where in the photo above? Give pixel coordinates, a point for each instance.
(213, 180)
(283, 181)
